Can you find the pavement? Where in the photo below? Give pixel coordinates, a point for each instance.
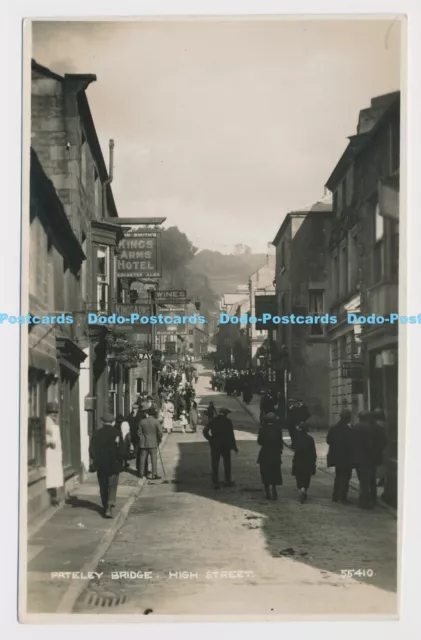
(186, 550)
(68, 540)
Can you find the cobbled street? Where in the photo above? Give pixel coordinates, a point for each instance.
(195, 541)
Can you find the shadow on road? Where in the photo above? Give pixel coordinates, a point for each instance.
(330, 537)
(74, 501)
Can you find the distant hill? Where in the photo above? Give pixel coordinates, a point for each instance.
(226, 272)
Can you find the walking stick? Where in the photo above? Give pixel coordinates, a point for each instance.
(162, 465)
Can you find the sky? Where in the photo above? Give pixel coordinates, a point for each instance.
(223, 126)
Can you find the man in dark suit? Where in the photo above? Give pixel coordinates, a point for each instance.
(150, 436)
(107, 454)
(340, 455)
(219, 432)
(369, 443)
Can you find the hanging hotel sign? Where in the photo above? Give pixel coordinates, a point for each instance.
(139, 255)
(352, 369)
(171, 296)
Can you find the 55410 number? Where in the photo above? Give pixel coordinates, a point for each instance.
(357, 573)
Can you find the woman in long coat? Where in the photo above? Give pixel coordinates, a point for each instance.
(54, 453)
(269, 459)
(168, 415)
(304, 460)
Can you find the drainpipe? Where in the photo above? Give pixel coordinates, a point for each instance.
(109, 181)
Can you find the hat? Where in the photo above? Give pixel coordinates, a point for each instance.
(52, 407)
(346, 414)
(107, 418)
(145, 405)
(224, 410)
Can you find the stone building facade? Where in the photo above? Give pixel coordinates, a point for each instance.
(302, 350)
(364, 269)
(64, 140)
(55, 357)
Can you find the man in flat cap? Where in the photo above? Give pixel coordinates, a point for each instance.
(107, 454)
(219, 432)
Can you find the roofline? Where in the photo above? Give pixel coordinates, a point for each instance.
(36, 66)
(298, 214)
(89, 126)
(365, 138)
(95, 147)
(47, 191)
(87, 77)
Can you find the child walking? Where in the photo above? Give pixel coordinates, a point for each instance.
(304, 460)
(183, 421)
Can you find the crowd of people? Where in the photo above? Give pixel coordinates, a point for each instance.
(360, 446)
(138, 435)
(243, 383)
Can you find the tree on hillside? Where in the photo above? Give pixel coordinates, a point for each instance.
(177, 250)
(177, 253)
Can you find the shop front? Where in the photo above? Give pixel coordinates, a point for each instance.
(383, 394)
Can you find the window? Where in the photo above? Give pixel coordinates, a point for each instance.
(394, 250)
(33, 254)
(282, 256)
(103, 277)
(97, 195)
(83, 270)
(335, 202)
(59, 271)
(394, 146)
(284, 327)
(349, 181)
(36, 419)
(378, 245)
(112, 388)
(39, 254)
(343, 350)
(83, 161)
(335, 276)
(352, 262)
(339, 199)
(315, 308)
(344, 194)
(355, 346)
(343, 271)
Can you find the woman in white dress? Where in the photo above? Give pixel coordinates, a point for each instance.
(168, 414)
(54, 453)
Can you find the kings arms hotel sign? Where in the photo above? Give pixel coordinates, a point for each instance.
(139, 255)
